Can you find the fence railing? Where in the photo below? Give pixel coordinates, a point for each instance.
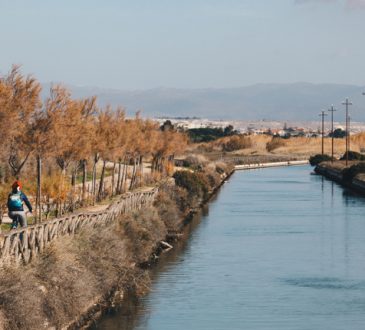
(22, 245)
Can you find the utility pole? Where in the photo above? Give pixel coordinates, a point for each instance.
(332, 110)
(323, 114)
(347, 103)
(349, 140)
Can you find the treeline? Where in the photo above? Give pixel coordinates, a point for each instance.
(55, 144)
(207, 134)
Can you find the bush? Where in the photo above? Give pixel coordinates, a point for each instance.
(172, 204)
(275, 143)
(353, 155)
(221, 168)
(195, 183)
(338, 133)
(195, 161)
(319, 158)
(213, 179)
(143, 229)
(67, 277)
(350, 173)
(237, 142)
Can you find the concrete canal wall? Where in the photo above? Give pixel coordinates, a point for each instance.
(275, 164)
(357, 184)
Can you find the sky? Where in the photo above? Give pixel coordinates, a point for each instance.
(143, 44)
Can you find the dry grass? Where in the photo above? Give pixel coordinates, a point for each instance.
(275, 143)
(72, 273)
(144, 230)
(172, 206)
(304, 146)
(301, 147)
(311, 146)
(358, 140)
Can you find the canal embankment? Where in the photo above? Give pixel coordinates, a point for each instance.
(75, 278)
(351, 176)
(174, 208)
(270, 237)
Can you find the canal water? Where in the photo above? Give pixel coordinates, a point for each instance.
(278, 249)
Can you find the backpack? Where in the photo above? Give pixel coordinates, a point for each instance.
(15, 201)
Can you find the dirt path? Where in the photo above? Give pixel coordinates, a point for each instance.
(104, 204)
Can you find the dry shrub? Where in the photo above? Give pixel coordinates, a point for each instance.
(195, 161)
(152, 178)
(260, 140)
(144, 230)
(195, 183)
(212, 176)
(205, 147)
(237, 142)
(3, 324)
(60, 284)
(69, 286)
(54, 287)
(223, 168)
(172, 205)
(275, 143)
(20, 291)
(359, 141)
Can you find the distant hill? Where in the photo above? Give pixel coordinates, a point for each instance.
(297, 101)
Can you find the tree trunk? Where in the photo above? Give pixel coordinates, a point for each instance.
(39, 192)
(125, 174)
(73, 185)
(131, 184)
(101, 182)
(113, 177)
(142, 170)
(63, 174)
(119, 176)
(96, 159)
(84, 176)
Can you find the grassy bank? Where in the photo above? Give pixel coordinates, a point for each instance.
(77, 277)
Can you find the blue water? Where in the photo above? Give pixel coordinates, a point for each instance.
(279, 249)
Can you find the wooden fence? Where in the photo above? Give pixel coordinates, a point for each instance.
(22, 245)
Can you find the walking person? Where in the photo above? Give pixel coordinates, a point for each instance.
(15, 206)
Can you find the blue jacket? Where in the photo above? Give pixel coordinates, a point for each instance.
(14, 206)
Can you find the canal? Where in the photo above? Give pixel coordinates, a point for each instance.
(277, 249)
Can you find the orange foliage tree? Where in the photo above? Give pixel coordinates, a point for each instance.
(69, 134)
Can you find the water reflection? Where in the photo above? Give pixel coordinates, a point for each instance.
(278, 249)
(132, 313)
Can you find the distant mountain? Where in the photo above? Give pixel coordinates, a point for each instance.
(297, 101)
